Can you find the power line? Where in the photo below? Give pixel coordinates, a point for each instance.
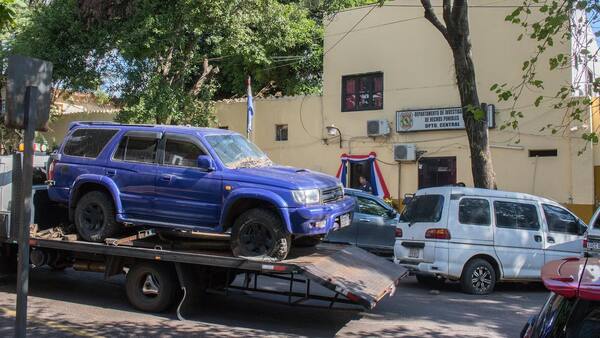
(348, 32)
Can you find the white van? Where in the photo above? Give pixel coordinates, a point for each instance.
(481, 236)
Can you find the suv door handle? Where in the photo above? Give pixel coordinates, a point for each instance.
(166, 178)
(550, 239)
(365, 220)
(537, 238)
(110, 172)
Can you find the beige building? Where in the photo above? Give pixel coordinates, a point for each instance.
(394, 66)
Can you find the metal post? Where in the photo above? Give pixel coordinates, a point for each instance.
(24, 205)
(17, 186)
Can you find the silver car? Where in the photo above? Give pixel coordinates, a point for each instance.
(373, 225)
(591, 244)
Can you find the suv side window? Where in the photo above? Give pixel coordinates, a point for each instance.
(370, 207)
(560, 220)
(516, 215)
(181, 153)
(137, 149)
(87, 142)
(474, 211)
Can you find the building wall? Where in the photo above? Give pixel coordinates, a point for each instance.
(418, 73)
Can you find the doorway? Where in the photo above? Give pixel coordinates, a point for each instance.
(437, 171)
(358, 169)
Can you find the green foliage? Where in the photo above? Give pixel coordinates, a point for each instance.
(558, 22)
(152, 52)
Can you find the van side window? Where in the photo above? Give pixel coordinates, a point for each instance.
(560, 220)
(516, 215)
(475, 211)
(181, 153)
(88, 142)
(137, 149)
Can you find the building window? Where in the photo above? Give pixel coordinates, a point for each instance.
(543, 153)
(362, 92)
(281, 132)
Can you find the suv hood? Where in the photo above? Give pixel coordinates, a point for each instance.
(282, 176)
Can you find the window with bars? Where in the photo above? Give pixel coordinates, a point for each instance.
(362, 92)
(281, 132)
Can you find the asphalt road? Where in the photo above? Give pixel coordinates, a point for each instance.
(69, 303)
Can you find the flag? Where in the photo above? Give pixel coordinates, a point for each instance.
(250, 111)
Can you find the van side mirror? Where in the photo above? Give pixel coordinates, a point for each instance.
(206, 162)
(392, 214)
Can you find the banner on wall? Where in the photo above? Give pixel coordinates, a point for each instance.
(377, 182)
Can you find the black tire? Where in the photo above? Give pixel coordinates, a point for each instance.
(95, 217)
(151, 287)
(259, 234)
(429, 281)
(478, 277)
(308, 241)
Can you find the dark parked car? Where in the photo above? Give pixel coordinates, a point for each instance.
(185, 178)
(373, 225)
(573, 308)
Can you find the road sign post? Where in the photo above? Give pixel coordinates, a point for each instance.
(28, 106)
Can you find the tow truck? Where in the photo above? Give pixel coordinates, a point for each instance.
(166, 267)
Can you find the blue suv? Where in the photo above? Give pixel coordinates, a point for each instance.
(186, 178)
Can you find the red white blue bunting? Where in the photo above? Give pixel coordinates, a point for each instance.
(377, 182)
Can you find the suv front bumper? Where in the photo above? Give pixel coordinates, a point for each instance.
(319, 219)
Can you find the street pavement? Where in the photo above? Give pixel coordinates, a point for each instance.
(78, 304)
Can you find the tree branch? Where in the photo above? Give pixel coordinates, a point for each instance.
(207, 71)
(431, 17)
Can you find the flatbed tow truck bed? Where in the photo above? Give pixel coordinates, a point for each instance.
(353, 275)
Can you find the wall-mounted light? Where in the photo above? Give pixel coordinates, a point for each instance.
(334, 131)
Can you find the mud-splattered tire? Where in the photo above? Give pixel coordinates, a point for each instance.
(259, 234)
(95, 217)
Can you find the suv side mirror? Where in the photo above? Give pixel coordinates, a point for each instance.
(206, 162)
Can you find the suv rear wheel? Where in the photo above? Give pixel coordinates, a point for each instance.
(259, 234)
(95, 217)
(478, 277)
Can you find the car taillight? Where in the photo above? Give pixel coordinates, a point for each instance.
(437, 233)
(585, 243)
(398, 232)
(51, 170)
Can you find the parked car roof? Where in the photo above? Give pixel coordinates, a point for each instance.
(161, 127)
(573, 277)
(482, 193)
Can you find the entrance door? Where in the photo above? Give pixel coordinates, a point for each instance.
(437, 171)
(358, 169)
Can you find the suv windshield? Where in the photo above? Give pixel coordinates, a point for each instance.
(235, 151)
(423, 208)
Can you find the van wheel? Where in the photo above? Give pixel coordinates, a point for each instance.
(151, 287)
(95, 217)
(259, 234)
(478, 277)
(431, 281)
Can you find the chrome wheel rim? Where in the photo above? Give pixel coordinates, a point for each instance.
(481, 279)
(150, 286)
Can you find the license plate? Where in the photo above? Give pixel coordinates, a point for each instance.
(593, 245)
(413, 252)
(344, 220)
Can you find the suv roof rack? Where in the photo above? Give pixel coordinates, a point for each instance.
(106, 123)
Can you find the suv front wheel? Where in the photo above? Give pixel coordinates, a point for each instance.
(95, 217)
(259, 234)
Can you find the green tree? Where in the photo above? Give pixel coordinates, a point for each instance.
(549, 23)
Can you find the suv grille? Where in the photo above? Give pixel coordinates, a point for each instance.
(329, 195)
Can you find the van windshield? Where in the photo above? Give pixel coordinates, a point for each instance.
(423, 208)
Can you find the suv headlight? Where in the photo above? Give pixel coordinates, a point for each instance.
(307, 196)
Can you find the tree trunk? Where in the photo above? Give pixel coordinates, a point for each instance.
(456, 32)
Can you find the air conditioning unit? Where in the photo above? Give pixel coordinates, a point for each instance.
(405, 152)
(378, 128)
